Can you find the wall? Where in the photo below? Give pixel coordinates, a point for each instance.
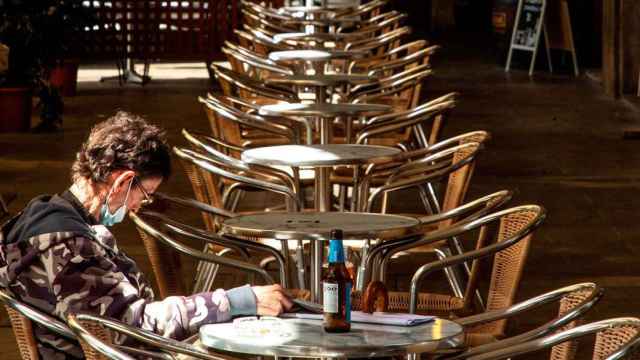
(631, 45)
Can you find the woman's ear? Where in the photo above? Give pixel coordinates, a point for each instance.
(122, 178)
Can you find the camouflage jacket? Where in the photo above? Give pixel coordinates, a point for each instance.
(79, 267)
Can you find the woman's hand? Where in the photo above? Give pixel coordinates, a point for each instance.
(271, 300)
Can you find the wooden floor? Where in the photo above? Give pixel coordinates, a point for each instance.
(557, 141)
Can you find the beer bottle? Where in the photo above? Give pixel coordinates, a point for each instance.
(336, 286)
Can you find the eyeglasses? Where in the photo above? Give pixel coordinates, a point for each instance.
(147, 198)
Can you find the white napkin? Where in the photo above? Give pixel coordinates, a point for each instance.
(375, 318)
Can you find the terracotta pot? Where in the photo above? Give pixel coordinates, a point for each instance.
(65, 77)
(16, 109)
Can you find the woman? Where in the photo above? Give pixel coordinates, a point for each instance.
(59, 256)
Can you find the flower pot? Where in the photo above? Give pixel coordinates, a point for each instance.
(65, 77)
(16, 109)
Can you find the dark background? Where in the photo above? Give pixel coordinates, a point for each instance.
(476, 16)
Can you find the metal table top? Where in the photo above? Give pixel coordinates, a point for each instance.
(319, 155)
(320, 79)
(307, 339)
(318, 226)
(317, 36)
(323, 109)
(315, 9)
(315, 55)
(324, 21)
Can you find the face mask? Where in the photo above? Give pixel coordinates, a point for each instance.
(108, 219)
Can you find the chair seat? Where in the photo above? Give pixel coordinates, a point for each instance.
(396, 102)
(472, 339)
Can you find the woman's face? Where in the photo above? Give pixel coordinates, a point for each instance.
(138, 188)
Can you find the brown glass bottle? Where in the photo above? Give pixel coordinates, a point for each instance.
(336, 286)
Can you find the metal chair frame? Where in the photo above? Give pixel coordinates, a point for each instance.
(30, 314)
(78, 323)
(587, 295)
(605, 329)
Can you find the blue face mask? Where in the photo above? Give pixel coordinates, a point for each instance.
(109, 219)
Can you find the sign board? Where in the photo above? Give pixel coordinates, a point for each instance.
(528, 25)
(537, 17)
(527, 29)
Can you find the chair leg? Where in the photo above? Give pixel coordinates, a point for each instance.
(342, 198)
(302, 273)
(453, 277)
(457, 247)
(363, 274)
(429, 199)
(236, 200)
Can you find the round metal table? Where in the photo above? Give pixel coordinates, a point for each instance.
(316, 227)
(320, 84)
(307, 339)
(321, 158)
(323, 110)
(317, 36)
(308, 55)
(324, 21)
(315, 9)
(321, 80)
(319, 155)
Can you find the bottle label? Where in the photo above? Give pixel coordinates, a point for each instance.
(348, 302)
(336, 251)
(330, 298)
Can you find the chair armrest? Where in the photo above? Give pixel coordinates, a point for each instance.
(483, 252)
(509, 351)
(140, 335)
(200, 255)
(195, 204)
(36, 316)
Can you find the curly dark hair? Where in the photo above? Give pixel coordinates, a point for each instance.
(123, 142)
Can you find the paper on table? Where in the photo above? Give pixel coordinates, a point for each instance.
(375, 318)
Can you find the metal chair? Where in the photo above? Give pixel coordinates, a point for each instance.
(504, 236)
(397, 60)
(453, 161)
(468, 211)
(244, 61)
(415, 128)
(213, 146)
(380, 22)
(401, 91)
(23, 317)
(382, 43)
(244, 87)
(616, 338)
(257, 41)
(239, 177)
(173, 285)
(574, 301)
(95, 340)
(237, 122)
(406, 130)
(265, 19)
(244, 175)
